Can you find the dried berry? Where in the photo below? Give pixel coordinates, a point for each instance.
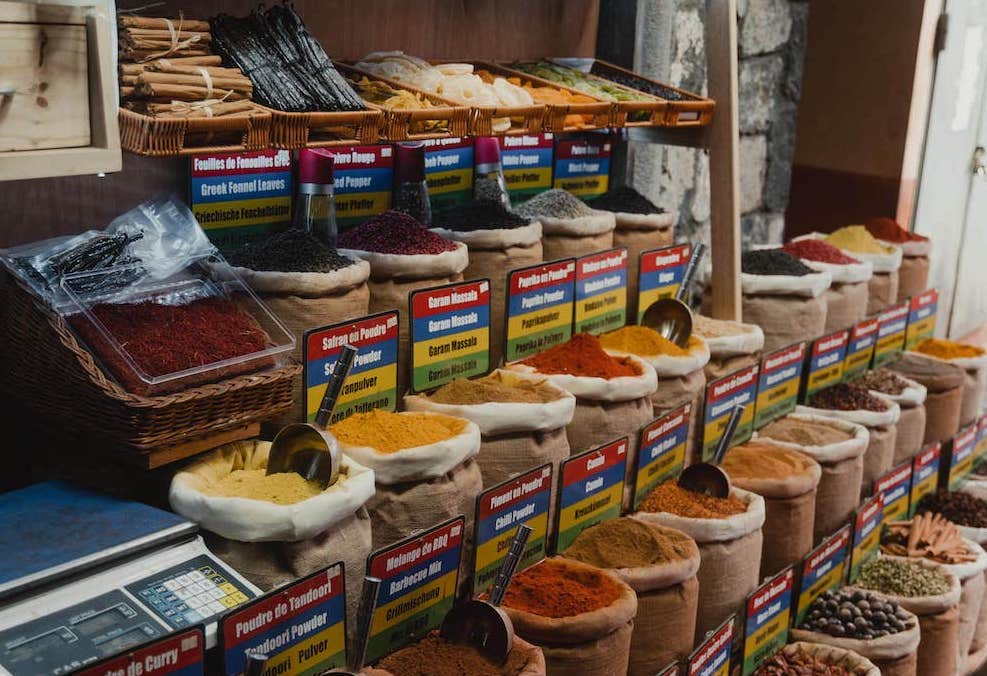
(848, 397)
(393, 232)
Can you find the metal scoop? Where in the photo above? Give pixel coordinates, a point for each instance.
(364, 618)
(707, 478)
(307, 448)
(256, 663)
(483, 624)
(671, 317)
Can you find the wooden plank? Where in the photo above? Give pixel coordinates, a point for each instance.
(724, 164)
(169, 454)
(29, 12)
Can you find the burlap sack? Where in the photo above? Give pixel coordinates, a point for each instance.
(730, 550)
(640, 232)
(533, 666)
(597, 642)
(729, 353)
(944, 393)
(974, 374)
(393, 277)
(893, 655)
(882, 291)
(834, 657)
(842, 468)
(846, 298)
(911, 423)
(493, 254)
(879, 456)
(575, 237)
(789, 514)
(972, 583)
(788, 309)
(913, 276)
(271, 544)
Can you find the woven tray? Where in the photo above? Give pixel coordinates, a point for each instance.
(47, 369)
(694, 111)
(160, 136)
(325, 129)
(399, 124)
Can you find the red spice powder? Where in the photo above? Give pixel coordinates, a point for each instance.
(888, 230)
(818, 250)
(582, 355)
(394, 232)
(555, 588)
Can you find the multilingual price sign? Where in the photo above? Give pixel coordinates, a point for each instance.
(778, 388)
(980, 450)
(523, 500)
(891, 326)
(181, 653)
(895, 488)
(712, 657)
(660, 274)
(826, 362)
(860, 350)
(769, 610)
(925, 474)
(867, 523)
(661, 451)
(301, 628)
(450, 333)
(601, 291)
(740, 387)
(418, 586)
(362, 182)
(527, 164)
(824, 568)
(539, 307)
(590, 491)
(961, 456)
(448, 171)
(582, 165)
(372, 381)
(922, 310)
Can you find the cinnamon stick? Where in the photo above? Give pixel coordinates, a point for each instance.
(217, 110)
(214, 71)
(137, 36)
(152, 23)
(169, 92)
(241, 84)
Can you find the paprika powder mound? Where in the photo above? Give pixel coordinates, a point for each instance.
(888, 230)
(672, 498)
(552, 589)
(582, 355)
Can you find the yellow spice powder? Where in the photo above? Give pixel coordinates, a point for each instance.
(947, 349)
(387, 432)
(645, 342)
(285, 488)
(857, 239)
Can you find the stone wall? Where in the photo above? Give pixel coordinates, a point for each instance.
(771, 46)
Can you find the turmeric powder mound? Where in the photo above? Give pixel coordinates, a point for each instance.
(645, 342)
(283, 488)
(387, 432)
(947, 349)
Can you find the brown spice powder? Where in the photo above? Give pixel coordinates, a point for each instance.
(496, 387)
(707, 327)
(672, 498)
(435, 656)
(755, 460)
(804, 432)
(628, 543)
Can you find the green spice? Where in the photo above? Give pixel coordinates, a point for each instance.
(901, 578)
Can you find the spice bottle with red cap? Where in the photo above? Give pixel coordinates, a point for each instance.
(488, 182)
(410, 188)
(315, 206)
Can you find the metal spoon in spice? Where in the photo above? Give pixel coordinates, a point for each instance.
(364, 616)
(308, 448)
(708, 478)
(671, 317)
(483, 624)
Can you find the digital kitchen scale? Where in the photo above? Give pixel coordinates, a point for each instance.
(84, 576)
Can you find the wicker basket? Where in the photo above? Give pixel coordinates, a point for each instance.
(693, 111)
(325, 129)
(170, 136)
(47, 369)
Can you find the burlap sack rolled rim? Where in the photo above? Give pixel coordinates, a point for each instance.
(806, 286)
(747, 342)
(534, 667)
(306, 283)
(925, 605)
(622, 388)
(881, 262)
(830, 453)
(582, 627)
(913, 395)
(249, 520)
(497, 238)
(889, 416)
(417, 463)
(890, 647)
(714, 530)
(596, 223)
(848, 273)
(667, 366)
(413, 266)
(966, 363)
(964, 571)
(950, 376)
(495, 417)
(912, 249)
(834, 656)
(791, 486)
(644, 222)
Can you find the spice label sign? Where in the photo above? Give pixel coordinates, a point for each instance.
(539, 308)
(980, 450)
(661, 272)
(418, 578)
(448, 171)
(922, 310)
(181, 653)
(824, 568)
(582, 165)
(450, 333)
(895, 488)
(523, 500)
(891, 326)
(712, 657)
(591, 490)
(826, 362)
(301, 627)
(925, 474)
(778, 387)
(237, 197)
(866, 533)
(661, 451)
(527, 164)
(769, 609)
(372, 381)
(363, 179)
(860, 351)
(961, 456)
(601, 291)
(740, 387)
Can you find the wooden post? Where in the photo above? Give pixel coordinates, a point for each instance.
(723, 139)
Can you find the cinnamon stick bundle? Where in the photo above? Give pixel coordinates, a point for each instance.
(133, 54)
(171, 110)
(240, 85)
(137, 36)
(167, 64)
(174, 92)
(154, 23)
